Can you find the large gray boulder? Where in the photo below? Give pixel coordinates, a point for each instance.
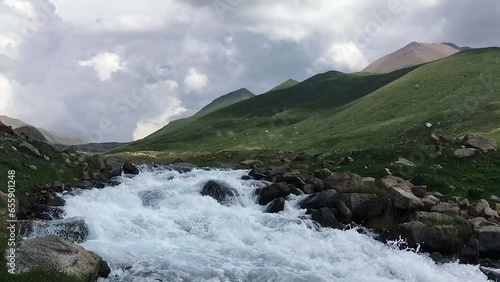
(29, 149)
(219, 191)
(489, 239)
(74, 230)
(443, 239)
(405, 200)
(276, 206)
(446, 208)
(273, 191)
(364, 207)
(390, 181)
(343, 182)
(481, 208)
(432, 217)
(54, 253)
(319, 200)
(326, 218)
(480, 142)
(464, 153)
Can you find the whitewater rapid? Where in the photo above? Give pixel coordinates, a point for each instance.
(157, 227)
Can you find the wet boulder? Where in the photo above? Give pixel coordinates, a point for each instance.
(319, 200)
(364, 207)
(276, 206)
(326, 218)
(129, 168)
(74, 230)
(219, 191)
(443, 239)
(258, 173)
(272, 192)
(489, 240)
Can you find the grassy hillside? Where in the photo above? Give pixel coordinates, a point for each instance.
(330, 111)
(226, 100)
(257, 122)
(287, 84)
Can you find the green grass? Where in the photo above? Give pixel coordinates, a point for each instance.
(27, 179)
(226, 100)
(287, 84)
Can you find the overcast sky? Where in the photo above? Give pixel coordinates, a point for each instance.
(118, 70)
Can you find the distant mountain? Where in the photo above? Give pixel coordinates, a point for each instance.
(50, 136)
(226, 100)
(413, 54)
(461, 48)
(287, 84)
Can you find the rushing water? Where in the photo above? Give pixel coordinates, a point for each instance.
(157, 227)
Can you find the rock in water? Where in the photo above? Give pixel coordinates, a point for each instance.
(326, 218)
(129, 168)
(54, 253)
(219, 191)
(444, 239)
(273, 191)
(276, 206)
(489, 239)
(480, 142)
(493, 274)
(74, 230)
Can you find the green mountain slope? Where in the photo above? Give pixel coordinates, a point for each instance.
(287, 84)
(219, 103)
(457, 95)
(226, 100)
(256, 122)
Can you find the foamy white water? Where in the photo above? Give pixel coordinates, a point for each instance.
(157, 227)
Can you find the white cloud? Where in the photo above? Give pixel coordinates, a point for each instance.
(6, 96)
(104, 64)
(344, 56)
(195, 81)
(21, 6)
(173, 107)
